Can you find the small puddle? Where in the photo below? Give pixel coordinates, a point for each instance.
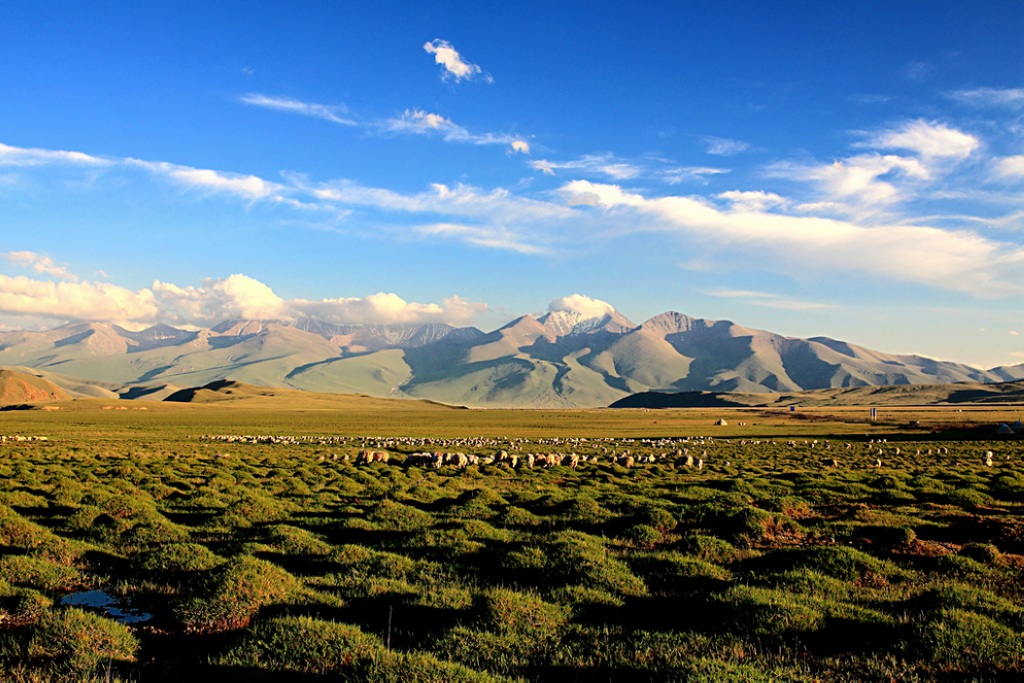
(115, 608)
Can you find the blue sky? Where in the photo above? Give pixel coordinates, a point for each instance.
(853, 170)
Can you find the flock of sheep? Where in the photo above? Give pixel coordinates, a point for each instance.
(509, 452)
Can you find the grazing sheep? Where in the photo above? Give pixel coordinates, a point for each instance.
(626, 461)
(829, 462)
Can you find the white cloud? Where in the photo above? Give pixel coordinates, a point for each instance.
(928, 139)
(411, 121)
(75, 300)
(752, 200)
(492, 238)
(420, 122)
(216, 299)
(234, 297)
(985, 97)
(454, 65)
(498, 206)
(680, 174)
(38, 263)
(388, 308)
(946, 259)
(247, 186)
(23, 156)
(1010, 167)
(610, 166)
(725, 146)
(858, 178)
(584, 305)
(334, 114)
(768, 300)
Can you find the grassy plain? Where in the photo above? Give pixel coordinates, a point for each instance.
(282, 559)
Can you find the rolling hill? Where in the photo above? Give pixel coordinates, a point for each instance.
(20, 387)
(903, 395)
(559, 359)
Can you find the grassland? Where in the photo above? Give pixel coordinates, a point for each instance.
(279, 558)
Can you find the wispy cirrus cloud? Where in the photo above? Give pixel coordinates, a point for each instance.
(768, 300)
(420, 122)
(726, 147)
(245, 186)
(990, 97)
(608, 165)
(452, 62)
(492, 237)
(333, 113)
(27, 156)
(411, 122)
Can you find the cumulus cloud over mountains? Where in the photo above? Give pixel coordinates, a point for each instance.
(584, 305)
(234, 297)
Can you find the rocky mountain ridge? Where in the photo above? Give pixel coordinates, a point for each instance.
(559, 359)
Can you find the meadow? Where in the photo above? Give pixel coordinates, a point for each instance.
(242, 541)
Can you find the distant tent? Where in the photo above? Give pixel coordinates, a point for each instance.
(721, 423)
(1005, 430)
(1017, 426)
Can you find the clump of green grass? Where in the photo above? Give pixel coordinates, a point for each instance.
(514, 516)
(69, 643)
(577, 557)
(302, 645)
(174, 558)
(767, 612)
(710, 548)
(22, 534)
(985, 553)
(674, 573)
(291, 540)
(21, 605)
(38, 572)
(958, 640)
(389, 515)
(234, 592)
(514, 630)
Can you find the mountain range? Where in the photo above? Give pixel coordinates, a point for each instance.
(559, 359)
